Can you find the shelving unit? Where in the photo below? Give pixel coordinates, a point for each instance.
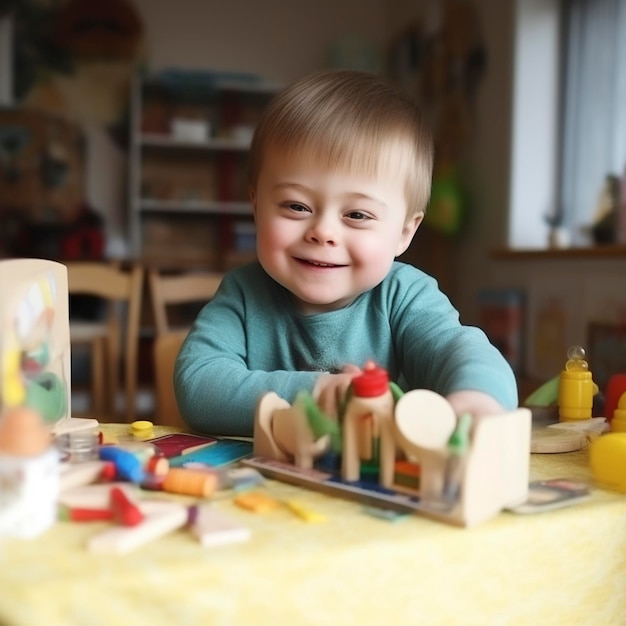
(190, 136)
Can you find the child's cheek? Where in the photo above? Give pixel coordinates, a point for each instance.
(372, 251)
(280, 234)
(272, 239)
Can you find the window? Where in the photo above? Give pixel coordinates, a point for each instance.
(535, 131)
(594, 106)
(569, 116)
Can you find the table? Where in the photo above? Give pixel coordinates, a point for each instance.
(562, 567)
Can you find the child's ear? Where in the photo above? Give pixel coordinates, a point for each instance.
(252, 196)
(408, 231)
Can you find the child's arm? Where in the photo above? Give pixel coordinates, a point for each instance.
(439, 353)
(217, 393)
(477, 403)
(229, 359)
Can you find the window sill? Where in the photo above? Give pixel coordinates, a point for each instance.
(613, 251)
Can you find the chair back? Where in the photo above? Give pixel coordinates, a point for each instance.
(166, 348)
(167, 290)
(121, 289)
(172, 289)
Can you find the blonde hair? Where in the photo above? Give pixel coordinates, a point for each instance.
(350, 120)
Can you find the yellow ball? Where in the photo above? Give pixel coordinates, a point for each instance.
(607, 459)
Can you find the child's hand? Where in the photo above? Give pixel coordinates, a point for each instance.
(477, 403)
(330, 389)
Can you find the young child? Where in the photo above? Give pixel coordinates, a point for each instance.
(340, 172)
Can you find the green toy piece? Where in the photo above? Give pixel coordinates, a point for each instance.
(459, 440)
(320, 423)
(447, 204)
(46, 393)
(396, 392)
(546, 395)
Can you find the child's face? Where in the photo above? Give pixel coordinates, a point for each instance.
(328, 236)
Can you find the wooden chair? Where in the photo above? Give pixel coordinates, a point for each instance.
(167, 290)
(166, 348)
(121, 289)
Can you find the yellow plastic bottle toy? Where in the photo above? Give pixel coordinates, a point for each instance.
(576, 387)
(618, 423)
(607, 460)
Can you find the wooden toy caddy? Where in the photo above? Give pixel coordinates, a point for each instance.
(489, 474)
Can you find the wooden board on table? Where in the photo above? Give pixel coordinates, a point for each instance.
(554, 441)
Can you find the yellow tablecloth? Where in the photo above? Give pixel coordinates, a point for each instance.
(562, 567)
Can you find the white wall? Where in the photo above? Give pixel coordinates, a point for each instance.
(276, 38)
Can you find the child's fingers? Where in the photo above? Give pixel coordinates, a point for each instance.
(327, 400)
(330, 391)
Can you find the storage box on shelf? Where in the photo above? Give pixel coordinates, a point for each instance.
(191, 133)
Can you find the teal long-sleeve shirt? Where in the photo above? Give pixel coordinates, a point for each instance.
(250, 339)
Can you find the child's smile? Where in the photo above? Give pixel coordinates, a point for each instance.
(319, 264)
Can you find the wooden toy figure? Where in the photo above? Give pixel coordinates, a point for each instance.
(371, 407)
(470, 469)
(282, 432)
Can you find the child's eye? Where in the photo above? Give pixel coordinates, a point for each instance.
(358, 216)
(298, 208)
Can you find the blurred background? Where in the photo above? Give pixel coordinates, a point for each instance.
(124, 126)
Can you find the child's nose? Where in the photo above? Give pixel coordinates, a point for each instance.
(322, 232)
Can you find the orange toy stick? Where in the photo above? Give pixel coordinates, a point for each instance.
(256, 501)
(190, 482)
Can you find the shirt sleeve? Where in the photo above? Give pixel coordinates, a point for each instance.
(437, 352)
(216, 391)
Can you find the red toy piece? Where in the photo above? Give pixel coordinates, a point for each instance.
(614, 390)
(125, 512)
(373, 382)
